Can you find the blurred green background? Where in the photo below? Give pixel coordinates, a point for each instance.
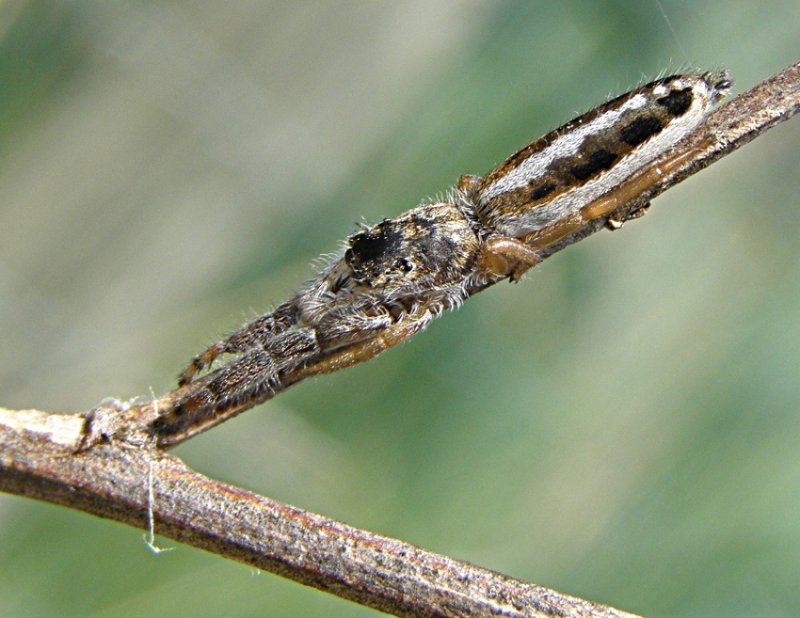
(623, 425)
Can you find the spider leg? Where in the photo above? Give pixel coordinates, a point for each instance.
(502, 256)
(283, 359)
(271, 362)
(606, 204)
(252, 378)
(247, 337)
(370, 344)
(201, 361)
(268, 348)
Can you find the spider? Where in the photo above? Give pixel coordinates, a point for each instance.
(392, 279)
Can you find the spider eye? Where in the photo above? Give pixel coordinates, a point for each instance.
(405, 264)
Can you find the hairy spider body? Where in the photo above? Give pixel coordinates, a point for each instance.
(393, 278)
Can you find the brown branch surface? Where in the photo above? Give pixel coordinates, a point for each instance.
(100, 462)
(111, 481)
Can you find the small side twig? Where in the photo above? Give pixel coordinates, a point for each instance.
(99, 462)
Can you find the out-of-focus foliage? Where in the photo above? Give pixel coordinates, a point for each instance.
(622, 425)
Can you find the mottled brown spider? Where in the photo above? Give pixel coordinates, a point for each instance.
(393, 278)
(390, 282)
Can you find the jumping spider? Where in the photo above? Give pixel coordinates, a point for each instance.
(390, 282)
(393, 278)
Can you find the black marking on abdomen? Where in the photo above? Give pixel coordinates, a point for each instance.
(541, 191)
(640, 130)
(598, 161)
(677, 102)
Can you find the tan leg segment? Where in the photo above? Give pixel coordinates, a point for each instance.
(608, 203)
(502, 256)
(548, 235)
(363, 350)
(639, 183)
(468, 183)
(200, 362)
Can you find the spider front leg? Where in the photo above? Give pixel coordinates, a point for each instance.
(249, 336)
(254, 376)
(372, 343)
(278, 361)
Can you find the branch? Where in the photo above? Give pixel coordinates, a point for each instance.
(111, 481)
(102, 461)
